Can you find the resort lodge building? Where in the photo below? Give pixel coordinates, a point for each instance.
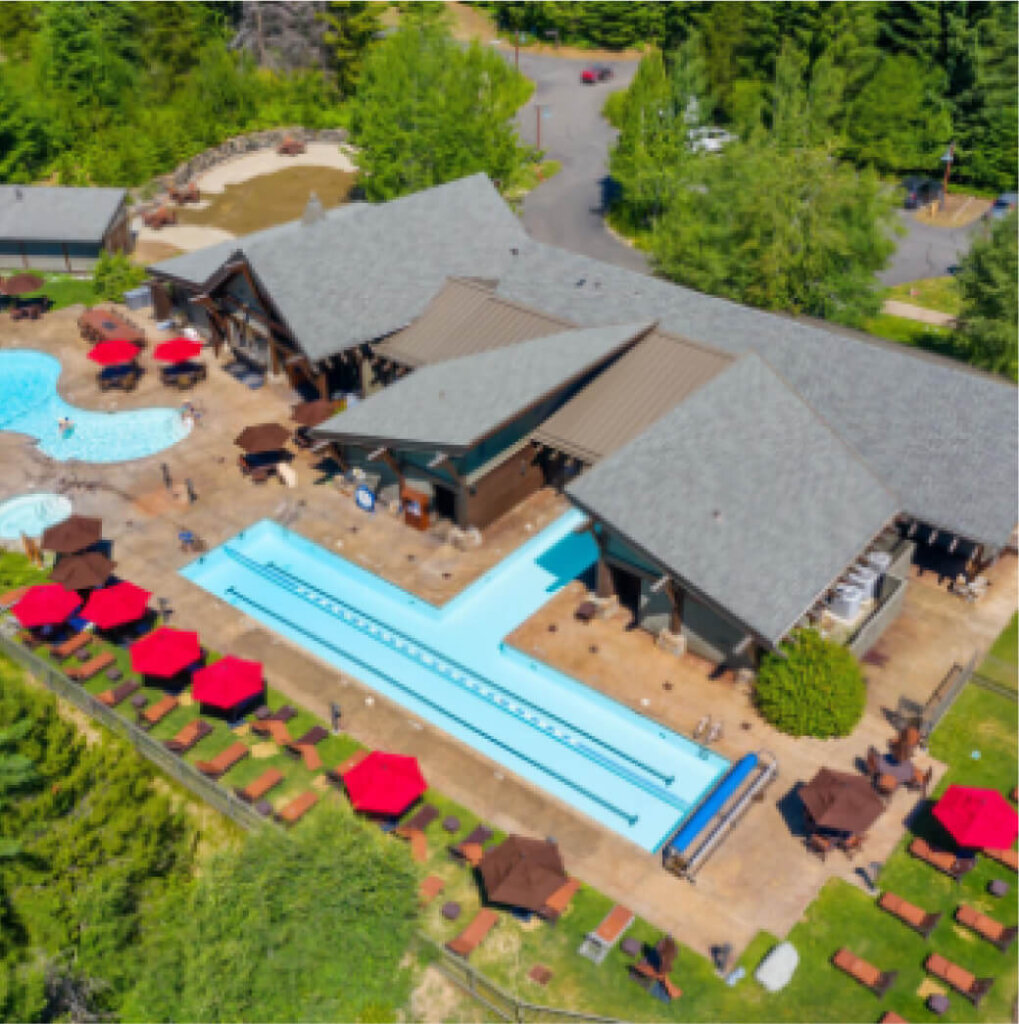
(742, 473)
(62, 229)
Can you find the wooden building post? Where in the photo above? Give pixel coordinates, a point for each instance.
(605, 586)
(677, 599)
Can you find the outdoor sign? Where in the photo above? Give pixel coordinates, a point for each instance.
(364, 498)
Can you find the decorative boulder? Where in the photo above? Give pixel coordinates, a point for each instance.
(776, 970)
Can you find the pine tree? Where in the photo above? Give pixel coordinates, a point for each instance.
(351, 29)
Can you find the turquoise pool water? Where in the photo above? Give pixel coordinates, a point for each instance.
(31, 514)
(450, 666)
(30, 404)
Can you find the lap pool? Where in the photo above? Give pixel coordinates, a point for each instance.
(450, 666)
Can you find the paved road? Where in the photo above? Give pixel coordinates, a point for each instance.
(926, 251)
(567, 210)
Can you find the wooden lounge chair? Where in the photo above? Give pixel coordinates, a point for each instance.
(986, 927)
(909, 914)
(253, 791)
(418, 846)
(477, 839)
(192, 733)
(71, 646)
(223, 762)
(335, 775)
(654, 970)
(865, 973)
(471, 937)
(953, 866)
(304, 746)
(278, 732)
(596, 944)
(429, 888)
(297, 808)
(1007, 858)
(92, 667)
(155, 713)
(283, 713)
(421, 819)
(891, 1017)
(12, 597)
(559, 902)
(967, 985)
(111, 698)
(310, 756)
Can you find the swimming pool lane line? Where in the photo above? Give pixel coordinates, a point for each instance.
(408, 646)
(630, 819)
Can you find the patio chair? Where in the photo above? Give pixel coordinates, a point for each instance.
(921, 780)
(872, 762)
(953, 866)
(559, 902)
(909, 914)
(852, 845)
(111, 698)
(1007, 858)
(254, 791)
(865, 973)
(192, 733)
(92, 667)
(472, 936)
(986, 927)
(155, 713)
(72, 645)
(278, 732)
(820, 845)
(429, 888)
(886, 784)
(653, 971)
(596, 944)
(297, 808)
(223, 762)
(966, 984)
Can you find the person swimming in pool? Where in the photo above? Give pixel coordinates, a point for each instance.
(66, 426)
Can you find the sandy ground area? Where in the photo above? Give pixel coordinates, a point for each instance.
(958, 211)
(922, 315)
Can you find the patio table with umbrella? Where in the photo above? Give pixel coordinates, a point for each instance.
(117, 605)
(21, 284)
(177, 350)
(83, 571)
(165, 652)
(522, 872)
(228, 685)
(115, 352)
(262, 437)
(46, 604)
(978, 818)
(308, 415)
(841, 801)
(76, 533)
(384, 784)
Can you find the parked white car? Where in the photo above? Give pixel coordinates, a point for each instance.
(709, 140)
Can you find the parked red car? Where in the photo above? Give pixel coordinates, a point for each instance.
(595, 73)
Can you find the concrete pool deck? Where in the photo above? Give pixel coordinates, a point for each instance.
(761, 878)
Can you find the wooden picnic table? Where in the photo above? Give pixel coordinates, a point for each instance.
(105, 324)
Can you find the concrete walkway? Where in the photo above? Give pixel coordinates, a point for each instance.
(934, 317)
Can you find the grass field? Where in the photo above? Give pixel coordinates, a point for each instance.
(940, 293)
(65, 289)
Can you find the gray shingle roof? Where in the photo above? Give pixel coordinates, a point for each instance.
(362, 270)
(451, 405)
(942, 438)
(745, 494)
(57, 214)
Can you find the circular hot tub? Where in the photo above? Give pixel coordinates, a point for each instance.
(31, 514)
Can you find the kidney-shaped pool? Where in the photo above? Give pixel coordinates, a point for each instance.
(30, 404)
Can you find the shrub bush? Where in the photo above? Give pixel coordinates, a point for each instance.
(814, 687)
(115, 274)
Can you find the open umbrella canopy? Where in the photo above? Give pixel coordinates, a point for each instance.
(21, 284)
(978, 817)
(177, 350)
(165, 651)
(841, 801)
(114, 606)
(262, 437)
(113, 352)
(228, 682)
(45, 604)
(311, 414)
(84, 571)
(74, 534)
(384, 783)
(522, 872)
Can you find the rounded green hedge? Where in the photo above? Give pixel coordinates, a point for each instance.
(812, 688)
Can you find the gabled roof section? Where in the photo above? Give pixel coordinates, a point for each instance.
(363, 270)
(941, 436)
(654, 376)
(466, 317)
(450, 406)
(43, 213)
(745, 495)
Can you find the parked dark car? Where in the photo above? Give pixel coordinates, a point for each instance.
(920, 191)
(1002, 206)
(596, 73)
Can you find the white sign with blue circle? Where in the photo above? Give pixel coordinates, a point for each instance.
(364, 498)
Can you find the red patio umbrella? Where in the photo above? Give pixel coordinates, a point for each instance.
(384, 783)
(978, 817)
(46, 604)
(116, 605)
(177, 350)
(165, 652)
(228, 682)
(111, 353)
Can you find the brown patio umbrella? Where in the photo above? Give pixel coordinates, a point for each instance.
(311, 414)
(262, 437)
(82, 572)
(841, 801)
(74, 534)
(522, 872)
(21, 284)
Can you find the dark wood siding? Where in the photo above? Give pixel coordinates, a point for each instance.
(506, 485)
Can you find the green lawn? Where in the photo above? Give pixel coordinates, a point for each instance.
(940, 293)
(65, 289)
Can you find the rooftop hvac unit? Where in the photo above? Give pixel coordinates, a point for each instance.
(879, 561)
(845, 602)
(866, 579)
